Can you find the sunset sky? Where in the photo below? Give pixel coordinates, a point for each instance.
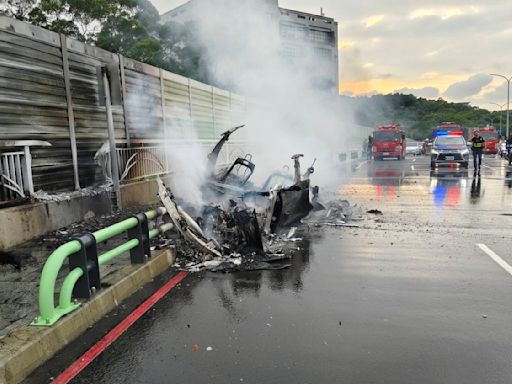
(431, 48)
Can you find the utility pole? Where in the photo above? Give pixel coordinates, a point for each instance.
(508, 98)
(501, 114)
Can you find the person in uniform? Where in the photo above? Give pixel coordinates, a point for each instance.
(477, 145)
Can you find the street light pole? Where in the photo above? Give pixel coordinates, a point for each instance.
(508, 97)
(501, 114)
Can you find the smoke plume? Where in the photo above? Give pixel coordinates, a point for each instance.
(288, 110)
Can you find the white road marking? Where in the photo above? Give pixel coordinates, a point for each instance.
(502, 263)
(412, 167)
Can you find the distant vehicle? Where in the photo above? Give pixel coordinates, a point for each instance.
(491, 137)
(447, 128)
(502, 149)
(388, 142)
(449, 150)
(413, 148)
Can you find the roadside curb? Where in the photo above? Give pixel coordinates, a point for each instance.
(28, 347)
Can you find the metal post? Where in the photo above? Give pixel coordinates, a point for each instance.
(87, 260)
(71, 114)
(125, 106)
(213, 113)
(112, 141)
(192, 125)
(501, 116)
(162, 97)
(142, 252)
(29, 182)
(508, 79)
(166, 135)
(508, 105)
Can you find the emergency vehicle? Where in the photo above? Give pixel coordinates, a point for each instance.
(447, 128)
(388, 142)
(491, 137)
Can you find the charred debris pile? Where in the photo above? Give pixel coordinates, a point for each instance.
(245, 227)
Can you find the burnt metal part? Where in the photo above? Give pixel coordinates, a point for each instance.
(214, 154)
(315, 200)
(310, 170)
(296, 166)
(277, 178)
(236, 229)
(180, 223)
(249, 230)
(238, 173)
(291, 206)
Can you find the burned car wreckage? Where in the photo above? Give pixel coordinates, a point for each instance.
(241, 224)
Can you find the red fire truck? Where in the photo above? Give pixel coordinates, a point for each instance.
(491, 137)
(388, 142)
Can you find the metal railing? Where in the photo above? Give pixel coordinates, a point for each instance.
(16, 169)
(84, 279)
(137, 163)
(12, 176)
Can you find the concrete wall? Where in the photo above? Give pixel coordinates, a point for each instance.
(27, 222)
(141, 193)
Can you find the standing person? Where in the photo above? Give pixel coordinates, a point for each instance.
(477, 145)
(369, 148)
(508, 145)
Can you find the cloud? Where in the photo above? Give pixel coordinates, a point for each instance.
(429, 75)
(426, 92)
(346, 44)
(467, 88)
(373, 20)
(443, 13)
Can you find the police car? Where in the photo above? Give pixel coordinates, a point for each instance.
(449, 149)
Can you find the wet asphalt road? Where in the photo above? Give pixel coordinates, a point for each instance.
(406, 298)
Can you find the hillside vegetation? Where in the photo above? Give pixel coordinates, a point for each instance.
(417, 115)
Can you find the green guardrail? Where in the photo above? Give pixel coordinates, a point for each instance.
(83, 279)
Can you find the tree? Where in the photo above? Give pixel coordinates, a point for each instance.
(129, 27)
(416, 115)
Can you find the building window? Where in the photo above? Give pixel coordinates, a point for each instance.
(319, 36)
(323, 53)
(293, 32)
(292, 51)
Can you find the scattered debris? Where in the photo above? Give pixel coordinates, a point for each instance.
(67, 196)
(374, 212)
(241, 227)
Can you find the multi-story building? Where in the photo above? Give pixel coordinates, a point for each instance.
(306, 39)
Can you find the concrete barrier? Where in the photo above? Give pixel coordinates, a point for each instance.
(26, 222)
(29, 347)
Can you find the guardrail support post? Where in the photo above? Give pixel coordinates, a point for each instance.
(87, 260)
(141, 253)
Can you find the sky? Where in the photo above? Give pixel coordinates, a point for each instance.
(430, 48)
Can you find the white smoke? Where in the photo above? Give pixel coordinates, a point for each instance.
(186, 157)
(288, 112)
